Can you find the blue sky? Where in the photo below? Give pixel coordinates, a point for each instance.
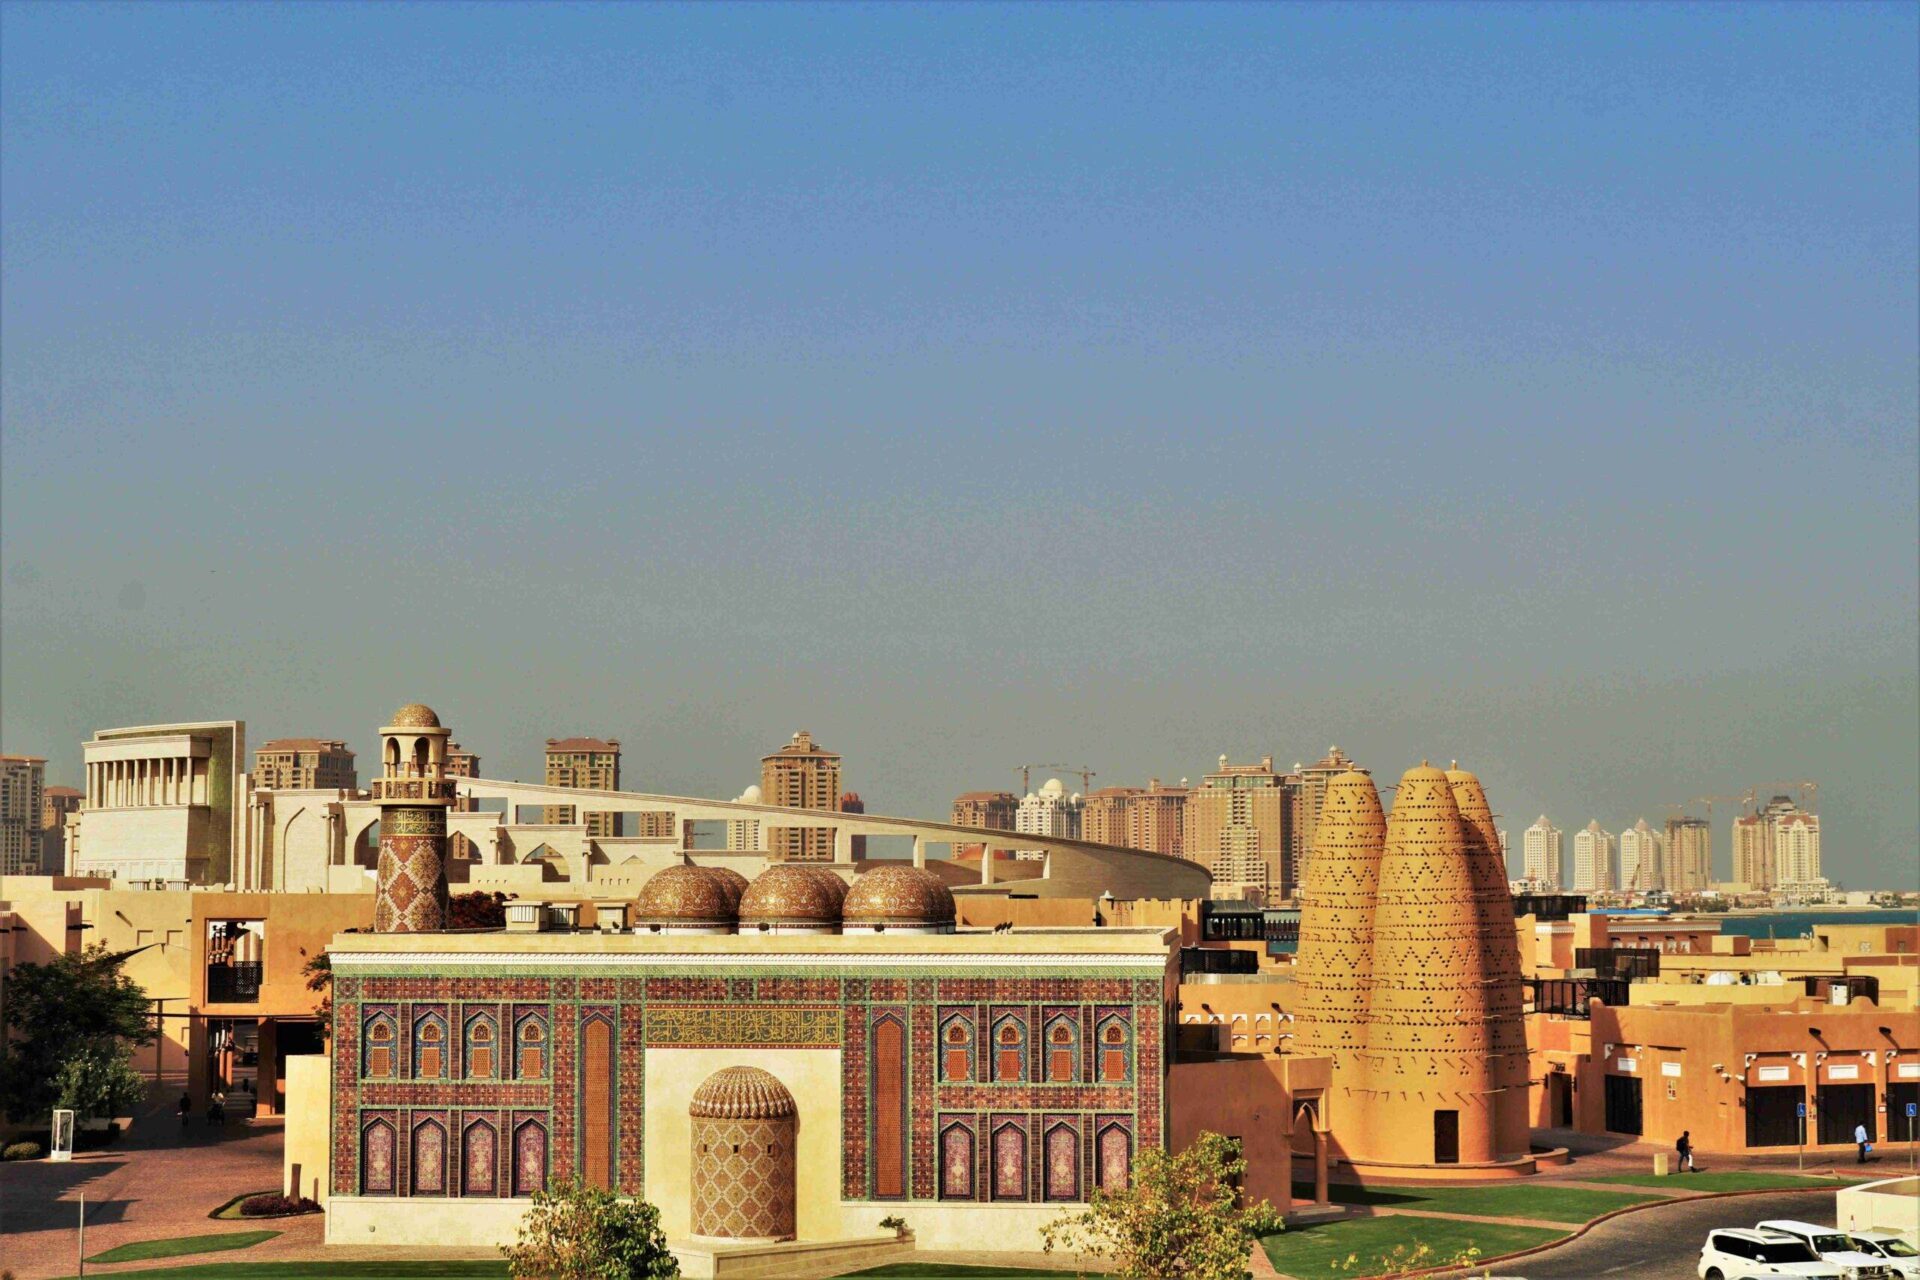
(972, 385)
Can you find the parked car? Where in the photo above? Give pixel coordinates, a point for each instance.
(1740, 1253)
(1835, 1246)
(1893, 1249)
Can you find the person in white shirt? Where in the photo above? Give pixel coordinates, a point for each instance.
(1862, 1141)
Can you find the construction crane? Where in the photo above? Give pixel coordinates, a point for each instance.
(1026, 775)
(1808, 789)
(1749, 798)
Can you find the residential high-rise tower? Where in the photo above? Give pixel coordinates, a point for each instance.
(22, 784)
(1540, 853)
(1642, 868)
(1689, 855)
(1593, 859)
(304, 764)
(1236, 826)
(801, 775)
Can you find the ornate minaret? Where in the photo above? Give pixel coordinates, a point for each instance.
(414, 792)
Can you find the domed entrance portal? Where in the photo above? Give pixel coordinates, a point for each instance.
(743, 1165)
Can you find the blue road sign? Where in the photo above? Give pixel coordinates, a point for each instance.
(1913, 1109)
(1802, 1110)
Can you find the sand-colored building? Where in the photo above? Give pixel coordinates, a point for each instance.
(1306, 791)
(583, 762)
(1540, 854)
(304, 764)
(165, 804)
(1236, 826)
(1689, 855)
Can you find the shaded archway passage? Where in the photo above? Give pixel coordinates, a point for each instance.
(743, 1160)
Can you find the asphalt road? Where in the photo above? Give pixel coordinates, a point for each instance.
(1663, 1243)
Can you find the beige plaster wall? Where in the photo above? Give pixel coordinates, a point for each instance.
(479, 1223)
(304, 1153)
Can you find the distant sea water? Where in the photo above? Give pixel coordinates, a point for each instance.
(1799, 924)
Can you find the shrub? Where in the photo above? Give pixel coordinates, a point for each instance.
(270, 1204)
(21, 1151)
(895, 1223)
(577, 1232)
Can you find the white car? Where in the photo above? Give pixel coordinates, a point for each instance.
(1893, 1250)
(1835, 1246)
(1737, 1253)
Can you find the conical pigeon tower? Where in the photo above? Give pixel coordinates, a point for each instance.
(1333, 966)
(1499, 956)
(1428, 1062)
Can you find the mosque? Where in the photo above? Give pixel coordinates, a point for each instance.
(783, 1061)
(788, 1058)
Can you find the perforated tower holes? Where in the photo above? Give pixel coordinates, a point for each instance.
(1334, 964)
(1499, 960)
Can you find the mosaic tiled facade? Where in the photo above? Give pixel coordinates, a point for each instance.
(958, 1085)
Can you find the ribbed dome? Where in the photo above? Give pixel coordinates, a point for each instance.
(788, 893)
(686, 893)
(741, 1093)
(898, 895)
(415, 715)
(734, 882)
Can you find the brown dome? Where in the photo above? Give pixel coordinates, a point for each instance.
(832, 883)
(741, 1093)
(898, 894)
(415, 715)
(735, 883)
(788, 893)
(686, 893)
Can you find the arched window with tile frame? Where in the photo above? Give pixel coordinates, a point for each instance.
(1063, 1049)
(379, 1061)
(1009, 1049)
(481, 1056)
(530, 1047)
(1115, 1035)
(429, 1046)
(957, 1048)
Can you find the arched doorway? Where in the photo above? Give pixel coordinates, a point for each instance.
(743, 1137)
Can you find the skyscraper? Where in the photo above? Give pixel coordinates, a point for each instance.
(1306, 792)
(850, 802)
(1642, 868)
(1105, 819)
(993, 810)
(743, 834)
(1540, 853)
(1050, 811)
(22, 781)
(59, 809)
(1689, 855)
(1236, 826)
(1152, 817)
(1753, 851)
(1796, 849)
(584, 762)
(1593, 859)
(801, 775)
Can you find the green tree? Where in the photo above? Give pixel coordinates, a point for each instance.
(1179, 1218)
(577, 1232)
(71, 1025)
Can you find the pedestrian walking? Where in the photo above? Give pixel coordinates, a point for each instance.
(185, 1109)
(1685, 1148)
(1861, 1140)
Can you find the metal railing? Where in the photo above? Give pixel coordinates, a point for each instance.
(237, 983)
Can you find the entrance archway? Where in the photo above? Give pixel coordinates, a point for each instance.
(743, 1163)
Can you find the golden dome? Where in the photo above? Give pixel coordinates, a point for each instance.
(899, 894)
(741, 1093)
(734, 883)
(415, 715)
(685, 893)
(787, 892)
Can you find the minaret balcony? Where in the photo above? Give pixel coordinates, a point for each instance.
(414, 790)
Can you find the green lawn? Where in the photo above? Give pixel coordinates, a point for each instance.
(146, 1250)
(937, 1270)
(325, 1270)
(1317, 1250)
(1502, 1200)
(1730, 1181)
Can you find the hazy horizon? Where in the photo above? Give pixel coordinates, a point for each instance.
(1532, 386)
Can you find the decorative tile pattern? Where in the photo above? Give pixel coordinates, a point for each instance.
(545, 1111)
